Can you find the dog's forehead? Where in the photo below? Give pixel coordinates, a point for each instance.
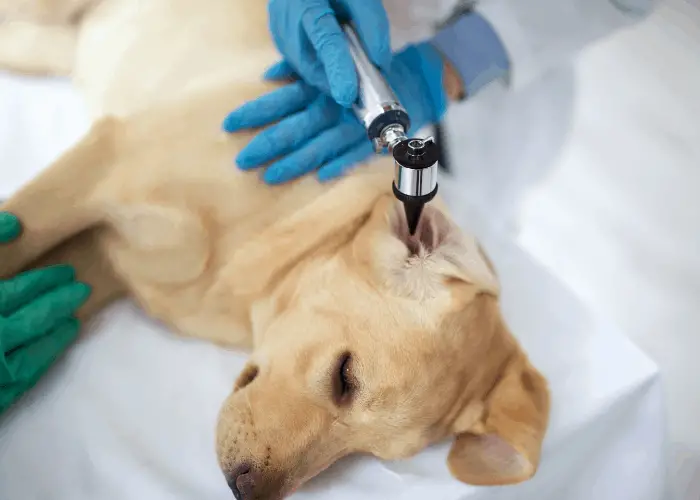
(375, 316)
(351, 291)
(336, 303)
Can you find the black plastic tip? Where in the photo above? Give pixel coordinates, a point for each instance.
(413, 212)
(413, 206)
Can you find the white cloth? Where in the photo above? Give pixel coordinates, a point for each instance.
(39, 119)
(130, 413)
(506, 138)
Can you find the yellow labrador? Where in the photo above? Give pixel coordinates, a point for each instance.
(364, 339)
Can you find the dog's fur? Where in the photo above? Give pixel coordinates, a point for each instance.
(363, 338)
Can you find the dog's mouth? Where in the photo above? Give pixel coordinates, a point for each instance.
(296, 484)
(292, 485)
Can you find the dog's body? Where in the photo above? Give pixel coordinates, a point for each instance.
(381, 342)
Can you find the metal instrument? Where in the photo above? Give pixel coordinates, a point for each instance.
(386, 121)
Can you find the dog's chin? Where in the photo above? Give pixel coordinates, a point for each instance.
(293, 485)
(288, 489)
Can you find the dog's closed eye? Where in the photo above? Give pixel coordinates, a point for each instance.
(343, 383)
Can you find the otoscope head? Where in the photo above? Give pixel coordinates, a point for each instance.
(415, 176)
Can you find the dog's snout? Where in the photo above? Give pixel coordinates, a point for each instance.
(242, 481)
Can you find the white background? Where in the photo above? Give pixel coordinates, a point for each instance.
(619, 219)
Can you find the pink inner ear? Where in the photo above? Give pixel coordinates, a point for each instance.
(433, 228)
(500, 454)
(498, 458)
(487, 459)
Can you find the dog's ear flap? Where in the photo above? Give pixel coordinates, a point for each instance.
(502, 444)
(433, 230)
(418, 263)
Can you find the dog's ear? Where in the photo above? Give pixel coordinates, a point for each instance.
(499, 435)
(421, 263)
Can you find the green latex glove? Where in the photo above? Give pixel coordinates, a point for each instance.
(37, 320)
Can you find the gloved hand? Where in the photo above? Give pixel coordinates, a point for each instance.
(314, 132)
(36, 320)
(309, 37)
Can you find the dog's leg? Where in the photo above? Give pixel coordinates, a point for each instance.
(83, 252)
(35, 49)
(53, 12)
(57, 204)
(38, 37)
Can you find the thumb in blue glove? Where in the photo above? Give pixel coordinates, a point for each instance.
(315, 133)
(309, 37)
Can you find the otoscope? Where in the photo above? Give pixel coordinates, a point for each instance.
(387, 122)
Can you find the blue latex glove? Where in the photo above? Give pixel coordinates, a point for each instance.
(315, 133)
(307, 34)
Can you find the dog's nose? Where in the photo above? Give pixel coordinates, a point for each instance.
(242, 481)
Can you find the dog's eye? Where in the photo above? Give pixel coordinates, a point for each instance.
(342, 380)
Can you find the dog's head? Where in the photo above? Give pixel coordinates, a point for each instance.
(385, 346)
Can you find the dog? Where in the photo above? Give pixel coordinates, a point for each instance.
(364, 338)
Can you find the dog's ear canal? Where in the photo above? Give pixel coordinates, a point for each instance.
(432, 230)
(458, 254)
(502, 445)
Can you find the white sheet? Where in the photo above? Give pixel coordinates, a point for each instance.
(130, 413)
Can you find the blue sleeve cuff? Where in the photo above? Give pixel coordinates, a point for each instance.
(475, 51)
(432, 67)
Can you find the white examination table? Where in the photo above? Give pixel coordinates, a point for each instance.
(130, 413)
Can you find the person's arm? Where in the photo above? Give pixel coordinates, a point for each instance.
(452, 83)
(512, 40)
(516, 41)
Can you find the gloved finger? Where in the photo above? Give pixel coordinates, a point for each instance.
(10, 227)
(345, 162)
(270, 107)
(30, 361)
(43, 314)
(25, 287)
(371, 22)
(10, 393)
(289, 134)
(332, 49)
(315, 153)
(279, 72)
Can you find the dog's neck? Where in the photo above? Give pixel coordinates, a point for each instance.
(282, 288)
(320, 227)
(305, 230)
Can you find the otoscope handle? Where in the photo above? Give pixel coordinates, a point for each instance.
(377, 107)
